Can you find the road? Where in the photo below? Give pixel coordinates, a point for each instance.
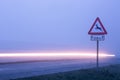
(27, 69)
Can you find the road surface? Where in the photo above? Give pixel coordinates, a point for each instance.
(27, 69)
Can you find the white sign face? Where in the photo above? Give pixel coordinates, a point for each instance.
(97, 28)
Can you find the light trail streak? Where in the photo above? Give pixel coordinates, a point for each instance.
(55, 54)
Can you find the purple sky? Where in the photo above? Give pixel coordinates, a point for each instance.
(57, 24)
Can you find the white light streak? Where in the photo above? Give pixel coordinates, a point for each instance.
(59, 54)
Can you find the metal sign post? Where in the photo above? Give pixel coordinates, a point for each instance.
(97, 32)
(97, 53)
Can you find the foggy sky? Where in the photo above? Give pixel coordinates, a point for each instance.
(57, 24)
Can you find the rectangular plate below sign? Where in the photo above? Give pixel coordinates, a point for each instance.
(97, 37)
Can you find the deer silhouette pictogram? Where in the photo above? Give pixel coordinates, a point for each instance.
(97, 27)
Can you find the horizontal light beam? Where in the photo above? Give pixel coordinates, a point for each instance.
(62, 54)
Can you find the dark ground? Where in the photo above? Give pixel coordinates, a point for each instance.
(111, 72)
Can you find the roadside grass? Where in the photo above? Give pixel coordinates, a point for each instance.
(111, 72)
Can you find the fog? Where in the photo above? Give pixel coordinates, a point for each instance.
(43, 25)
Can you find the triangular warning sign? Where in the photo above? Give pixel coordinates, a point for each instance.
(97, 28)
